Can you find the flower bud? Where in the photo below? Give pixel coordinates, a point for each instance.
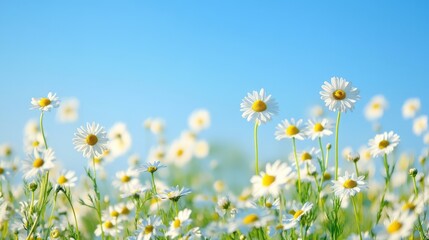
(413, 172)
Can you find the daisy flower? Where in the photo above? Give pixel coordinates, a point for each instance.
(150, 228)
(110, 228)
(174, 193)
(316, 129)
(3, 170)
(375, 108)
(38, 163)
(45, 103)
(420, 125)
(67, 179)
(151, 167)
(383, 143)
(180, 153)
(5, 150)
(223, 206)
(258, 106)
(179, 224)
(201, 149)
(120, 139)
(127, 180)
(289, 129)
(339, 95)
(68, 111)
(247, 219)
(199, 120)
(34, 141)
(193, 234)
(272, 180)
(398, 226)
(410, 107)
(124, 210)
(157, 153)
(413, 205)
(296, 214)
(31, 128)
(91, 141)
(316, 111)
(348, 185)
(156, 126)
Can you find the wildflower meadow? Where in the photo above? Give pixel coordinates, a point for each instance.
(157, 196)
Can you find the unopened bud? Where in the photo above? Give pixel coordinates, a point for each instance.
(353, 156)
(32, 186)
(413, 172)
(328, 146)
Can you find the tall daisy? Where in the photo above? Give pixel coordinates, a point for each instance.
(339, 95)
(199, 120)
(127, 181)
(272, 180)
(109, 227)
(120, 139)
(411, 107)
(67, 179)
(45, 103)
(247, 219)
(398, 226)
(179, 224)
(383, 143)
(38, 163)
(348, 185)
(150, 228)
(296, 214)
(420, 125)
(180, 153)
(376, 107)
(174, 193)
(68, 111)
(259, 107)
(318, 129)
(91, 141)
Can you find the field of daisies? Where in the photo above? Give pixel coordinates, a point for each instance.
(307, 196)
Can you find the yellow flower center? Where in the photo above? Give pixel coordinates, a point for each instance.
(306, 156)
(148, 229)
(318, 127)
(8, 151)
(259, 106)
(43, 102)
(152, 169)
(349, 183)
(114, 213)
(91, 139)
(176, 223)
(125, 178)
(35, 143)
(268, 205)
(376, 106)
(97, 160)
(297, 214)
(339, 94)
(125, 211)
(55, 233)
(409, 206)
(383, 144)
(394, 226)
(267, 180)
(38, 162)
(160, 155)
(292, 130)
(1, 170)
(180, 152)
(108, 225)
(251, 218)
(62, 179)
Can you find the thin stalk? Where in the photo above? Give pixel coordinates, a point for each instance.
(386, 166)
(357, 218)
(255, 138)
(337, 126)
(74, 215)
(356, 169)
(153, 183)
(297, 165)
(97, 193)
(323, 153)
(52, 210)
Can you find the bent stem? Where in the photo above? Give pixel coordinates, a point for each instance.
(337, 126)
(297, 165)
(255, 137)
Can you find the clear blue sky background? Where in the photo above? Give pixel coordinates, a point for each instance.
(128, 60)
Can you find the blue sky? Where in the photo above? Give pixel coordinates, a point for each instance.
(129, 60)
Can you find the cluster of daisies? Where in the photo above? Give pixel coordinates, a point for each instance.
(169, 193)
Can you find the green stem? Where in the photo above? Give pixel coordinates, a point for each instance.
(356, 168)
(323, 153)
(337, 126)
(153, 184)
(176, 207)
(43, 131)
(357, 218)
(255, 137)
(74, 214)
(52, 210)
(416, 192)
(97, 193)
(32, 202)
(386, 166)
(297, 165)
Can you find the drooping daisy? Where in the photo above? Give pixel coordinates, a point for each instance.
(38, 163)
(120, 139)
(66, 179)
(272, 180)
(199, 120)
(290, 129)
(68, 111)
(410, 107)
(179, 224)
(150, 228)
(180, 153)
(420, 125)
(383, 143)
(45, 103)
(174, 193)
(201, 149)
(127, 180)
(398, 226)
(295, 215)
(339, 95)
(258, 106)
(375, 108)
(91, 141)
(316, 129)
(151, 167)
(247, 219)
(348, 185)
(111, 227)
